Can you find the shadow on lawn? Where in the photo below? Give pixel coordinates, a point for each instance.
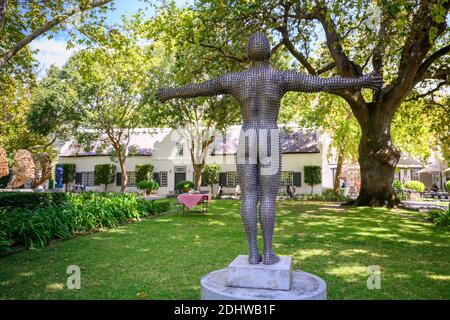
(167, 256)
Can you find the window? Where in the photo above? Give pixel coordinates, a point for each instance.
(131, 179)
(87, 178)
(163, 178)
(286, 178)
(415, 174)
(231, 179)
(180, 169)
(180, 149)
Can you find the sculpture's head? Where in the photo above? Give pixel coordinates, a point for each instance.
(258, 47)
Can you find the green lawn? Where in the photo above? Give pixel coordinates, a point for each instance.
(165, 257)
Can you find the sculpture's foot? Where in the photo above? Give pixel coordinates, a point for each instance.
(254, 258)
(270, 258)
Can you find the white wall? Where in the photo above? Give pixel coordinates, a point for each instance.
(164, 158)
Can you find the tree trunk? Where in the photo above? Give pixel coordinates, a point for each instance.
(123, 170)
(378, 158)
(106, 187)
(337, 174)
(212, 190)
(198, 168)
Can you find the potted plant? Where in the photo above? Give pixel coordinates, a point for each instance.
(148, 186)
(184, 186)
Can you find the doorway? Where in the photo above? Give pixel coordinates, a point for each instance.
(180, 175)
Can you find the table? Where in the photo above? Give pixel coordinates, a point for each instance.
(190, 200)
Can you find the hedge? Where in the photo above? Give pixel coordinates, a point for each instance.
(415, 186)
(82, 212)
(31, 199)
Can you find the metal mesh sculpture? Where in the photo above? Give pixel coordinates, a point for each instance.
(259, 90)
(4, 170)
(43, 169)
(24, 168)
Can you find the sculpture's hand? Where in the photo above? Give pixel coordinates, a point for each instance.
(163, 94)
(373, 81)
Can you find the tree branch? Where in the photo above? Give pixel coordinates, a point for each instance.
(326, 68)
(421, 73)
(379, 50)
(289, 45)
(44, 28)
(3, 7)
(221, 51)
(345, 66)
(423, 95)
(416, 47)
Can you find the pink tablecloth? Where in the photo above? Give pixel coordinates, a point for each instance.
(192, 199)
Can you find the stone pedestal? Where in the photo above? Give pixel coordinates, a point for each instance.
(243, 281)
(260, 276)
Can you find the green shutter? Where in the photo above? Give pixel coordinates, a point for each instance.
(297, 179)
(203, 184)
(156, 177)
(223, 179)
(79, 178)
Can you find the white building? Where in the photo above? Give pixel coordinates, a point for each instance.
(170, 157)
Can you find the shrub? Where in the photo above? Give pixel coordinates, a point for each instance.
(313, 175)
(447, 186)
(184, 186)
(440, 217)
(104, 174)
(144, 172)
(210, 175)
(69, 170)
(51, 184)
(82, 212)
(328, 195)
(31, 199)
(415, 186)
(397, 185)
(148, 186)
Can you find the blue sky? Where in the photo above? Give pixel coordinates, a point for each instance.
(53, 51)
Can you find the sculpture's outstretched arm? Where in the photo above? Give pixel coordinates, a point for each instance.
(294, 81)
(205, 89)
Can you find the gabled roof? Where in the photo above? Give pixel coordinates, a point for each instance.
(292, 141)
(144, 142)
(408, 162)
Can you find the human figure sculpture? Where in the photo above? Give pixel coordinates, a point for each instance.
(259, 90)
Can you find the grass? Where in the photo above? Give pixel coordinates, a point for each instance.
(165, 257)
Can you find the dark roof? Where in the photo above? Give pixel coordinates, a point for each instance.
(297, 141)
(409, 162)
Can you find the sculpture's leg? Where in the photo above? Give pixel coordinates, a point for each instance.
(248, 181)
(269, 190)
(269, 182)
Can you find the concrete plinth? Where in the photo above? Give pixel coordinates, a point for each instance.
(304, 286)
(260, 276)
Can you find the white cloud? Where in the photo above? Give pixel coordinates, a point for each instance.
(50, 52)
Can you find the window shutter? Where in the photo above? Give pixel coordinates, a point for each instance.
(79, 178)
(156, 177)
(203, 184)
(297, 179)
(119, 179)
(223, 179)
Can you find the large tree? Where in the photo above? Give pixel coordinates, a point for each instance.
(405, 41)
(97, 95)
(21, 22)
